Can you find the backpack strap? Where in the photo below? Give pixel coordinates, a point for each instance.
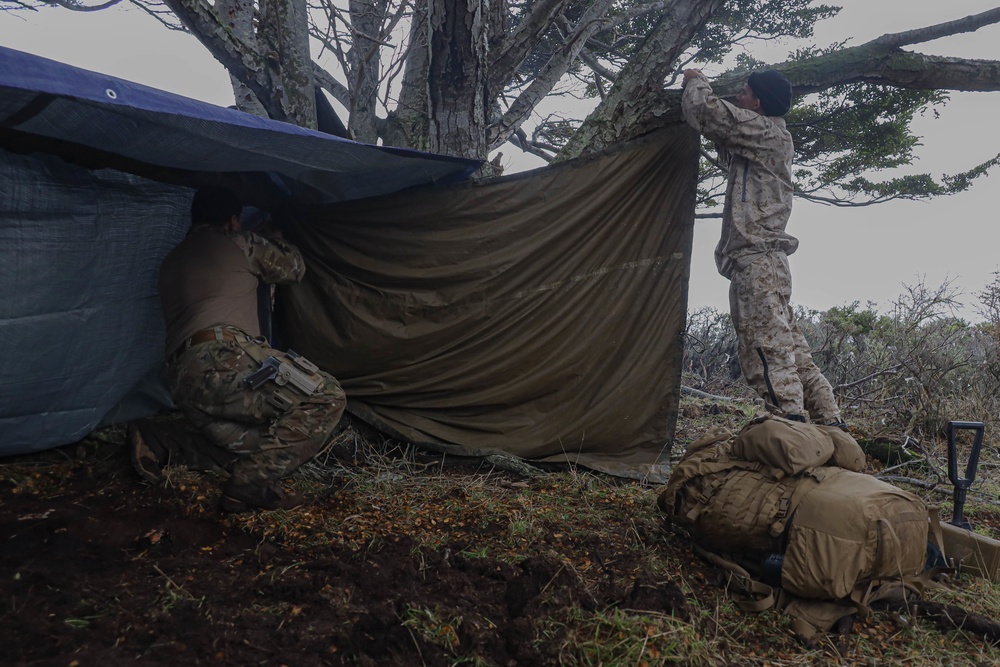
(747, 593)
(935, 520)
(809, 618)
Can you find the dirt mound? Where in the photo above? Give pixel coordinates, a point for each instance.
(104, 570)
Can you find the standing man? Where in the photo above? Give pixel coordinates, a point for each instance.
(208, 289)
(755, 146)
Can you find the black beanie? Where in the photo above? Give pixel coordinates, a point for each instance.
(773, 90)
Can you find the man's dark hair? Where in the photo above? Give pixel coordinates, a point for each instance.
(214, 206)
(773, 90)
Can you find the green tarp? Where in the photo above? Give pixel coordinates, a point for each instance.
(538, 315)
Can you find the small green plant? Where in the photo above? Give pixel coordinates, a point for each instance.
(480, 552)
(434, 626)
(619, 637)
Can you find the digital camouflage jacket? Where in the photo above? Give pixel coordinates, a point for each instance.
(758, 152)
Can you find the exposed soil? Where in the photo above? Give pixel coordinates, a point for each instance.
(403, 561)
(99, 568)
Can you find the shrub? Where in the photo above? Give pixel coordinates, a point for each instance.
(908, 371)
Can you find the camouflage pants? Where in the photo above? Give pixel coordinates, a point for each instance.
(270, 442)
(759, 302)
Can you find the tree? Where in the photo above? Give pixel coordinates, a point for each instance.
(465, 78)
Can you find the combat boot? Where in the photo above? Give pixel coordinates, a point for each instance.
(148, 457)
(839, 423)
(240, 496)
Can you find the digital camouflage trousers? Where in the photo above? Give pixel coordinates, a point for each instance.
(272, 430)
(759, 302)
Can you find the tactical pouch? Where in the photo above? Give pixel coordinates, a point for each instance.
(849, 529)
(789, 446)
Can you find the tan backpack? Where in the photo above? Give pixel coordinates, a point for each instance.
(791, 493)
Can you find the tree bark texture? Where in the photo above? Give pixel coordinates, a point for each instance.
(278, 71)
(284, 36)
(238, 15)
(363, 60)
(456, 77)
(880, 61)
(407, 125)
(632, 100)
(239, 59)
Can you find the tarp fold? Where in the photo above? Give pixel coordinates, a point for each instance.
(539, 316)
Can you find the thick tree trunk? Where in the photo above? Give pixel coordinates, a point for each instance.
(284, 32)
(363, 61)
(238, 14)
(407, 125)
(634, 96)
(456, 77)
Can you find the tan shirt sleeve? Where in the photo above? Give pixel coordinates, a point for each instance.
(272, 260)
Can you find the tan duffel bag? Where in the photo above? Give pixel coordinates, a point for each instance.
(851, 529)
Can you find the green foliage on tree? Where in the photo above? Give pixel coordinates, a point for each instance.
(470, 79)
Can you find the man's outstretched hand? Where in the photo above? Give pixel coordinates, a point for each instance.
(691, 74)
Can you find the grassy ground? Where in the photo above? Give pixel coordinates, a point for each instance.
(404, 558)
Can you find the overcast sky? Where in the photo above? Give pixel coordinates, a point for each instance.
(861, 254)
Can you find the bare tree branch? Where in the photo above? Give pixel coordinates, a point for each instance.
(560, 62)
(544, 151)
(240, 60)
(326, 81)
(593, 63)
(845, 203)
(947, 29)
(78, 7)
(512, 51)
(161, 13)
(19, 4)
(894, 370)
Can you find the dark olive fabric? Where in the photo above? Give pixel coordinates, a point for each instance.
(539, 315)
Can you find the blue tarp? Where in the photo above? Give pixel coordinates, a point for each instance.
(80, 244)
(45, 98)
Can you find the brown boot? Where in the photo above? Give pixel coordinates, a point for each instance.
(147, 460)
(245, 496)
(839, 423)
